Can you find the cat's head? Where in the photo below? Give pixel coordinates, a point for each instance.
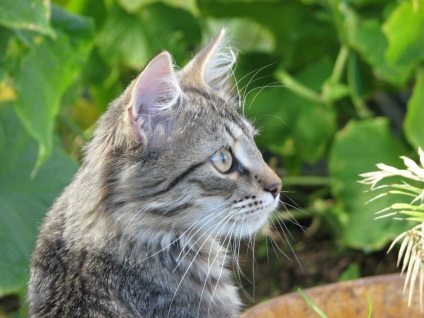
(192, 163)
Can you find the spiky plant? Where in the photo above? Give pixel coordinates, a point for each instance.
(411, 252)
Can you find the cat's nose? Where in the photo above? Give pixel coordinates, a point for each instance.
(273, 188)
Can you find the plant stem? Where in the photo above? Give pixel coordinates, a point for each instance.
(355, 87)
(339, 65)
(339, 10)
(311, 304)
(369, 306)
(293, 214)
(307, 181)
(297, 87)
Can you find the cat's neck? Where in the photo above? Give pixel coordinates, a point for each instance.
(117, 229)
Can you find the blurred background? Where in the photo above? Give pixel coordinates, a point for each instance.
(335, 87)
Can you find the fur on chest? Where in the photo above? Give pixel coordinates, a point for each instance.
(178, 281)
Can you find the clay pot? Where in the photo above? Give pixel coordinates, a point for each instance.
(345, 300)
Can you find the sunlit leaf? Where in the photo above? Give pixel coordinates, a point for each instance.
(413, 125)
(172, 29)
(405, 32)
(248, 35)
(134, 5)
(291, 124)
(371, 43)
(133, 39)
(356, 149)
(5, 36)
(279, 17)
(47, 71)
(31, 15)
(122, 40)
(23, 200)
(335, 92)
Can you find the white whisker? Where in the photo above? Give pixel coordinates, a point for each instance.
(194, 258)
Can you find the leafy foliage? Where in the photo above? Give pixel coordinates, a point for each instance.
(335, 87)
(46, 71)
(357, 227)
(24, 200)
(414, 130)
(22, 14)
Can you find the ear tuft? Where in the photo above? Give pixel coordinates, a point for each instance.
(156, 97)
(219, 63)
(213, 64)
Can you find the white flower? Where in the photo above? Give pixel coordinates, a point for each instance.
(413, 172)
(411, 252)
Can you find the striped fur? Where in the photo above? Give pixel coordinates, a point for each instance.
(143, 230)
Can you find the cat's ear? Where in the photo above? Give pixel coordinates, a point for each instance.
(213, 64)
(155, 97)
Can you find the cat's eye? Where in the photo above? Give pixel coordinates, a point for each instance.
(222, 160)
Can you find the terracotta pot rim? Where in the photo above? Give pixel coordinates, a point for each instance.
(385, 292)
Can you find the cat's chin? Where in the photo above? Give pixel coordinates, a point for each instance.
(247, 222)
(253, 222)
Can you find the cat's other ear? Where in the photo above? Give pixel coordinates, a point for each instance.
(156, 97)
(212, 65)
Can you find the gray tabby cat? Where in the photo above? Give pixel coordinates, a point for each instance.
(171, 176)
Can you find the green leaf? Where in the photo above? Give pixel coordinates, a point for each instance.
(371, 43)
(312, 136)
(279, 17)
(417, 215)
(357, 148)
(364, 3)
(405, 32)
(31, 15)
(251, 36)
(122, 40)
(413, 125)
(95, 10)
(23, 200)
(353, 271)
(335, 92)
(264, 108)
(288, 122)
(132, 39)
(355, 82)
(5, 36)
(134, 5)
(171, 29)
(47, 71)
(400, 206)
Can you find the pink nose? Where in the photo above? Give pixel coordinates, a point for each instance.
(274, 189)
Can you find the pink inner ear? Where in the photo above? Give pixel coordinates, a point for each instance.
(152, 83)
(155, 92)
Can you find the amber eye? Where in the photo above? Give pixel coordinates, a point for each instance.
(222, 160)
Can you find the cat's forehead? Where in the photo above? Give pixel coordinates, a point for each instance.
(212, 110)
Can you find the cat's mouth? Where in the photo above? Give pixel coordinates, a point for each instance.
(253, 204)
(254, 207)
(245, 216)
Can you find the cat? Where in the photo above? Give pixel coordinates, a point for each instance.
(171, 176)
